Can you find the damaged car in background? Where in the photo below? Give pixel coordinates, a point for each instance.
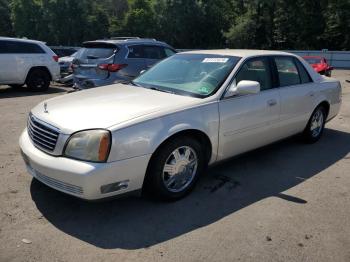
(120, 59)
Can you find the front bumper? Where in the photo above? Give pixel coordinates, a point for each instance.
(79, 178)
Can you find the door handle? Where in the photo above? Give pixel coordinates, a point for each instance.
(271, 102)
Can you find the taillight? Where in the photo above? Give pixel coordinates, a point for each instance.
(55, 57)
(112, 67)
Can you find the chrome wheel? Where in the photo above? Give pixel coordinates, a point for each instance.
(180, 169)
(317, 123)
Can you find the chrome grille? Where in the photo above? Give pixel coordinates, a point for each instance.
(42, 135)
(63, 186)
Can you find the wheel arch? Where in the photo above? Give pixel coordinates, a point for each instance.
(326, 105)
(43, 68)
(197, 134)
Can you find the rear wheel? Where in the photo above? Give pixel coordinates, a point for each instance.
(38, 80)
(175, 168)
(315, 126)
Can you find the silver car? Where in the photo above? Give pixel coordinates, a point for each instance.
(160, 132)
(104, 62)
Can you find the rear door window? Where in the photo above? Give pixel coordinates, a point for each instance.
(154, 52)
(136, 51)
(287, 71)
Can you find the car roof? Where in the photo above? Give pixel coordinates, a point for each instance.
(128, 41)
(25, 40)
(238, 52)
(313, 56)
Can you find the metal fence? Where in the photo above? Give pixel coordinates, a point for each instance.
(337, 59)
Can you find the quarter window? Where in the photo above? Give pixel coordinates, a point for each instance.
(169, 52)
(257, 69)
(287, 71)
(304, 75)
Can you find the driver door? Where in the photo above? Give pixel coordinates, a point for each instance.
(250, 121)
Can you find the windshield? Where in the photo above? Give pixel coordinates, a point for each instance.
(96, 51)
(313, 60)
(198, 75)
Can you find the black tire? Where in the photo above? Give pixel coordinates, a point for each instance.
(16, 85)
(38, 80)
(310, 134)
(154, 181)
(329, 73)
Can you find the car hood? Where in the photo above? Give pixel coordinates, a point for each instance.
(103, 107)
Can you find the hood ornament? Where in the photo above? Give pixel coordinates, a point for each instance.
(45, 108)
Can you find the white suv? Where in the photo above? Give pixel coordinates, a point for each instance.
(29, 62)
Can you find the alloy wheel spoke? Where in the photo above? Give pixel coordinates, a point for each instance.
(170, 169)
(187, 154)
(176, 155)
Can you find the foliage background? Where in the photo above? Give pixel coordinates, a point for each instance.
(262, 24)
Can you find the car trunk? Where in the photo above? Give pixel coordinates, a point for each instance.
(90, 57)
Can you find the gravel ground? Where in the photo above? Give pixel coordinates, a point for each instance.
(285, 202)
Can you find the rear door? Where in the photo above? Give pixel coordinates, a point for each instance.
(297, 94)
(8, 67)
(89, 60)
(16, 60)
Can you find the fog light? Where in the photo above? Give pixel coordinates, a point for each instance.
(114, 187)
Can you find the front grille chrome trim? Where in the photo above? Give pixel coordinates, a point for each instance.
(43, 135)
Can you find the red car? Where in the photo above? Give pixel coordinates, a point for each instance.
(319, 64)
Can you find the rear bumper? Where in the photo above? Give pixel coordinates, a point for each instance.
(81, 179)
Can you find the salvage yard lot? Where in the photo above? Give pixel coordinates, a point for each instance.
(285, 202)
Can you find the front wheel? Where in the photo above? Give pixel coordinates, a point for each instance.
(175, 168)
(315, 126)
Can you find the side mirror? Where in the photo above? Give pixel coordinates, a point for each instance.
(244, 87)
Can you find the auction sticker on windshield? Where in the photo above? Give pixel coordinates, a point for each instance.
(215, 60)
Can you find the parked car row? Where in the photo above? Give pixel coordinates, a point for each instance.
(97, 63)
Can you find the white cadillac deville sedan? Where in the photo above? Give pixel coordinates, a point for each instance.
(161, 131)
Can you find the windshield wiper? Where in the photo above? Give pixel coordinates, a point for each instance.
(134, 84)
(161, 90)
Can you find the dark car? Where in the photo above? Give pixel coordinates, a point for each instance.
(104, 62)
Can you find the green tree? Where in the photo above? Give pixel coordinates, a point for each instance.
(140, 20)
(337, 25)
(5, 14)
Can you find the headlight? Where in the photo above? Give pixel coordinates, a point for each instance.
(89, 145)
